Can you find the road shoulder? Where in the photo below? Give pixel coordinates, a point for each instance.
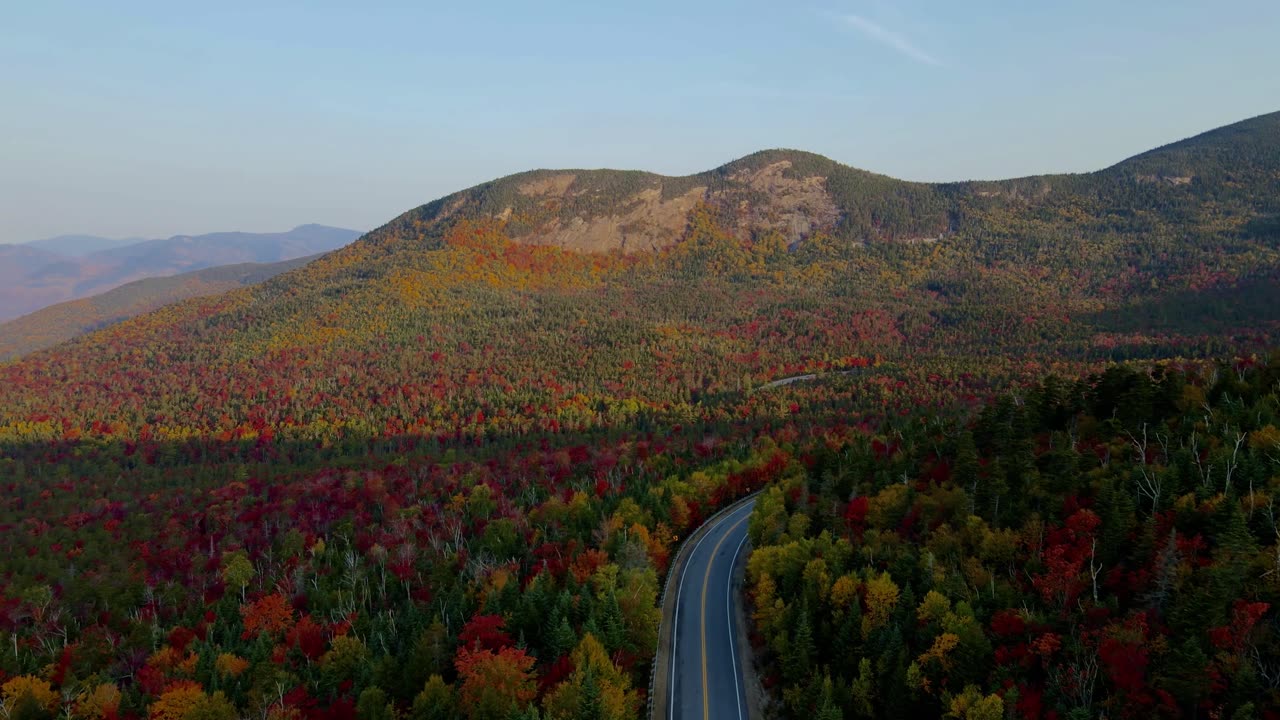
(753, 690)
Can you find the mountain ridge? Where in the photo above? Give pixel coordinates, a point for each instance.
(628, 210)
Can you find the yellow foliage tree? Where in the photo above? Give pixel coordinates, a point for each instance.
(229, 665)
(40, 691)
(100, 702)
(933, 608)
(176, 702)
(973, 705)
(882, 598)
(612, 692)
(844, 592)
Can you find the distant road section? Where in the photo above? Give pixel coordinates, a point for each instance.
(702, 678)
(803, 378)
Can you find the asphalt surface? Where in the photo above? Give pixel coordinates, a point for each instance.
(706, 680)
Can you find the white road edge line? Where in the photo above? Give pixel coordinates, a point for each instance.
(675, 622)
(728, 607)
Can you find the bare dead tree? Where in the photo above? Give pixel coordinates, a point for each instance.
(1233, 463)
(1095, 567)
(1148, 483)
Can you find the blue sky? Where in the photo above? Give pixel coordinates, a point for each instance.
(156, 118)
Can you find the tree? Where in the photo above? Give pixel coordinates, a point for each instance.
(828, 709)
(435, 702)
(177, 702)
(562, 639)
(212, 707)
(494, 684)
(800, 648)
(864, 693)
(271, 615)
(99, 703)
(30, 694)
(882, 599)
(590, 706)
(973, 705)
(374, 705)
(237, 571)
(484, 632)
(595, 689)
(347, 657)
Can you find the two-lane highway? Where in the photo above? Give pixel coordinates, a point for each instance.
(705, 680)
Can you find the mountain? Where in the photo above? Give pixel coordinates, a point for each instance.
(63, 321)
(446, 467)
(790, 192)
(797, 193)
(80, 245)
(19, 261)
(36, 277)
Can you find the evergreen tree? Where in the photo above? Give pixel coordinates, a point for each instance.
(800, 648)
(828, 709)
(589, 705)
(373, 704)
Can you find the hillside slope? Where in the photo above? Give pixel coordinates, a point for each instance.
(1036, 265)
(56, 323)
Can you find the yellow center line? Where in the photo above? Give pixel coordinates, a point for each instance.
(706, 703)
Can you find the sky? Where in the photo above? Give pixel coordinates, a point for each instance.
(159, 118)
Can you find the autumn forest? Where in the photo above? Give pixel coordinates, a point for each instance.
(444, 471)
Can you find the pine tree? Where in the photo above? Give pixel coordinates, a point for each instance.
(800, 649)
(612, 629)
(589, 705)
(864, 691)
(827, 707)
(561, 639)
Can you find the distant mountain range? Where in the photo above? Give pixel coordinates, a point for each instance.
(81, 245)
(63, 321)
(40, 273)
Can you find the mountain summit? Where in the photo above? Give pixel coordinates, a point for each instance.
(799, 193)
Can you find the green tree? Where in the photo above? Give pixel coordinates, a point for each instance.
(435, 702)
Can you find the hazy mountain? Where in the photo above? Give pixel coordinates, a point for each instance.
(81, 245)
(63, 321)
(35, 277)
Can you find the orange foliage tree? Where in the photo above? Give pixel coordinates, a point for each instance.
(494, 684)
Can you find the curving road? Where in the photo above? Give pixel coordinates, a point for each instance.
(705, 678)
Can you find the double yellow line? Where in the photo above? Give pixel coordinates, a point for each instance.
(706, 698)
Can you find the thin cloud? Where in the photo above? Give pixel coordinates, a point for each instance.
(885, 36)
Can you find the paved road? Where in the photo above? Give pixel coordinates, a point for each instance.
(706, 675)
(803, 378)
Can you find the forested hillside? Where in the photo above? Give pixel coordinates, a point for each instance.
(1106, 546)
(56, 323)
(441, 472)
